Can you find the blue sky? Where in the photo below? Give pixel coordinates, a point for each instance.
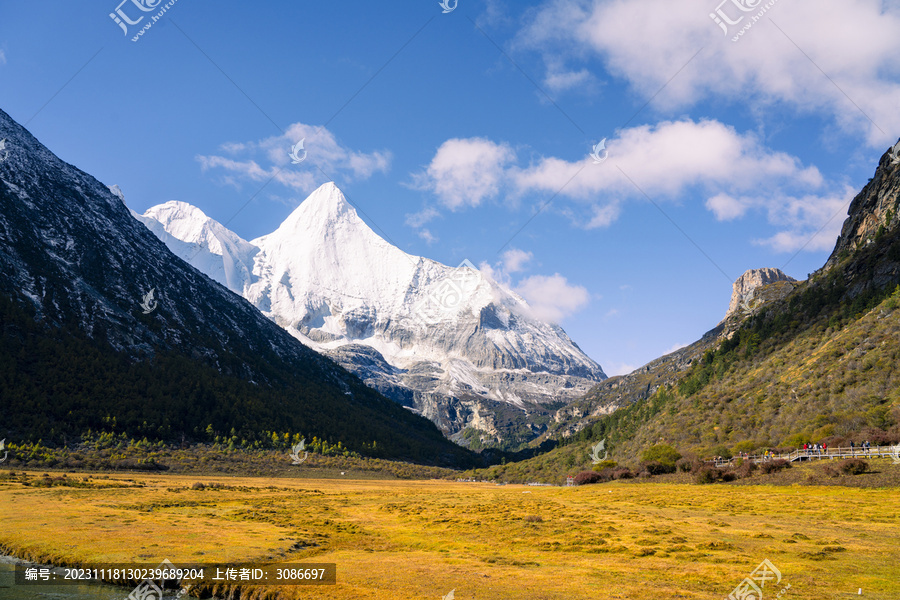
(467, 134)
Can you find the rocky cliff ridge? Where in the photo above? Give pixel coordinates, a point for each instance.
(873, 211)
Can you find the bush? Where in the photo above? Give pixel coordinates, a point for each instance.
(853, 466)
(622, 473)
(729, 476)
(586, 477)
(746, 469)
(654, 467)
(661, 453)
(719, 451)
(684, 465)
(605, 464)
(744, 446)
(773, 466)
(707, 474)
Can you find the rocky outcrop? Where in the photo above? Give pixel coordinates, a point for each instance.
(873, 211)
(745, 296)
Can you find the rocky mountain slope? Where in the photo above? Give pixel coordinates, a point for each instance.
(449, 343)
(813, 361)
(105, 329)
(873, 211)
(744, 291)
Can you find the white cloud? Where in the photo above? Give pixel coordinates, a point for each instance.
(619, 368)
(2, 57)
(323, 152)
(809, 222)
(667, 161)
(514, 260)
(465, 172)
(603, 215)
(423, 216)
(426, 235)
(552, 298)
(647, 43)
(560, 79)
(725, 207)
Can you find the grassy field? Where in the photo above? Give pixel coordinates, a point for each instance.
(422, 539)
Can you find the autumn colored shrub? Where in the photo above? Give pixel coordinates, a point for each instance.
(773, 466)
(586, 477)
(853, 466)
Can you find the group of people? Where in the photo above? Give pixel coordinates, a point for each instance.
(865, 446)
(823, 448)
(815, 448)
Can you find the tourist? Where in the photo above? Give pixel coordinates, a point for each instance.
(825, 448)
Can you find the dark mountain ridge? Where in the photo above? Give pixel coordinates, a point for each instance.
(76, 268)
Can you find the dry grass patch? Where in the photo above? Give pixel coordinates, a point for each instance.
(420, 539)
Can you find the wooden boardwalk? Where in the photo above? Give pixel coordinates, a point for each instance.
(831, 453)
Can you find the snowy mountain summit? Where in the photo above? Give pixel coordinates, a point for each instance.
(447, 342)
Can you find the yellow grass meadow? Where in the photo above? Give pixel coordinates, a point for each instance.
(422, 539)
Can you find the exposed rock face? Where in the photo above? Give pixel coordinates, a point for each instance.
(874, 208)
(744, 296)
(448, 343)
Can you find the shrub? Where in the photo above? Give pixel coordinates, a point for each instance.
(622, 473)
(773, 466)
(605, 464)
(746, 469)
(719, 451)
(729, 476)
(853, 466)
(586, 477)
(707, 474)
(744, 446)
(684, 465)
(661, 453)
(198, 486)
(654, 467)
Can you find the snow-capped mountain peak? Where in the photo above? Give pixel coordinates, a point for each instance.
(427, 334)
